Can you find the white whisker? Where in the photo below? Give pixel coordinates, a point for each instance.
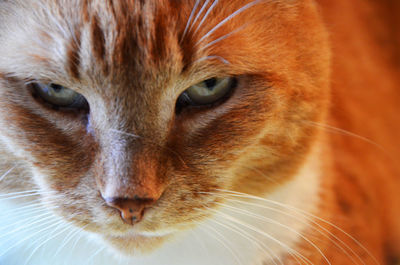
(344, 132)
(206, 15)
(20, 192)
(67, 238)
(273, 180)
(80, 236)
(28, 237)
(221, 241)
(64, 228)
(36, 222)
(327, 234)
(22, 207)
(34, 211)
(259, 217)
(249, 196)
(290, 250)
(203, 246)
(6, 173)
(190, 19)
(222, 38)
(199, 14)
(22, 196)
(237, 12)
(250, 238)
(90, 259)
(211, 57)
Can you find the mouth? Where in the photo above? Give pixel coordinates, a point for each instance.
(136, 244)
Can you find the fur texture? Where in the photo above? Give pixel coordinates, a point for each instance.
(297, 166)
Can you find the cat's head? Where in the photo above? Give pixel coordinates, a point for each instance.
(133, 117)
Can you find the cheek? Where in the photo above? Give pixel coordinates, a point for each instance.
(226, 132)
(63, 155)
(263, 132)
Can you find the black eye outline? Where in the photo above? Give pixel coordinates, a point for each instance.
(44, 92)
(185, 101)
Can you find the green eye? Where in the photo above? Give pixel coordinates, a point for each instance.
(207, 92)
(60, 96)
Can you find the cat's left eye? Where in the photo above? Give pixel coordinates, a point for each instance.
(59, 96)
(207, 92)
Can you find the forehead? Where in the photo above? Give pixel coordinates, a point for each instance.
(153, 40)
(133, 39)
(130, 39)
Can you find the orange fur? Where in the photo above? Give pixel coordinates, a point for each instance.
(361, 194)
(316, 81)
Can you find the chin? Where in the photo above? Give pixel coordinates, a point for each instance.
(136, 245)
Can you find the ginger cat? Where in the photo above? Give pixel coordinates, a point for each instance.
(240, 132)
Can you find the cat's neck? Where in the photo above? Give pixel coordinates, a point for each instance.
(296, 204)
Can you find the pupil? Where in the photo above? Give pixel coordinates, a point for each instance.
(56, 88)
(210, 83)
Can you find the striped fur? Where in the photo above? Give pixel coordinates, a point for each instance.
(271, 176)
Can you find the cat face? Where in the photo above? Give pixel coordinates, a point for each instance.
(142, 137)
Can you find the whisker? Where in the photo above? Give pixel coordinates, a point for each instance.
(211, 57)
(28, 207)
(190, 19)
(35, 210)
(22, 206)
(41, 236)
(20, 192)
(67, 238)
(344, 132)
(80, 236)
(206, 15)
(221, 241)
(237, 12)
(255, 229)
(203, 246)
(250, 238)
(327, 234)
(23, 196)
(41, 222)
(94, 255)
(222, 37)
(273, 180)
(7, 172)
(199, 14)
(28, 237)
(65, 227)
(249, 196)
(259, 217)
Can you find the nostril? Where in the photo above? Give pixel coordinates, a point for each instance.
(131, 210)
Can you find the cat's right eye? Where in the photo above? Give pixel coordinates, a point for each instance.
(59, 96)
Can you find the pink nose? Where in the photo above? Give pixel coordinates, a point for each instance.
(131, 210)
